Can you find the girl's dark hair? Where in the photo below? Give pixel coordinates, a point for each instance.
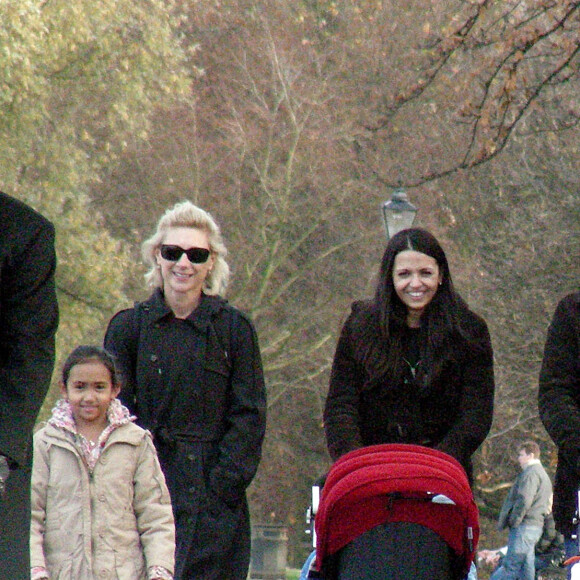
(88, 353)
(439, 322)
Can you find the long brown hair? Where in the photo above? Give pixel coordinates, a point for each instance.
(440, 322)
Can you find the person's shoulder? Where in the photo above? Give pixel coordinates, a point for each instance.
(222, 308)
(473, 331)
(40, 433)
(134, 429)
(361, 323)
(130, 315)
(47, 435)
(122, 318)
(363, 314)
(19, 213)
(362, 311)
(471, 322)
(536, 469)
(570, 302)
(573, 297)
(142, 437)
(364, 306)
(565, 322)
(131, 433)
(40, 443)
(474, 319)
(542, 470)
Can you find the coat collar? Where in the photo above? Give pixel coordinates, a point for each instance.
(128, 433)
(157, 309)
(530, 463)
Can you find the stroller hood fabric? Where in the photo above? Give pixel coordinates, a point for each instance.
(397, 483)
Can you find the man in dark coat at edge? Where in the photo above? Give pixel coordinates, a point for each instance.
(28, 323)
(559, 406)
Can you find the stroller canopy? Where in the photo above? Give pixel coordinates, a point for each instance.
(396, 483)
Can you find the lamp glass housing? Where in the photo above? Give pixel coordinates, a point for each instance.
(398, 213)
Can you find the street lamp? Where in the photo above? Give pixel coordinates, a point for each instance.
(398, 213)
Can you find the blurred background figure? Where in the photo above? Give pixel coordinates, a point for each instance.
(559, 405)
(28, 323)
(523, 512)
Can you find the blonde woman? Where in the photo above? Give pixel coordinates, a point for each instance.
(194, 379)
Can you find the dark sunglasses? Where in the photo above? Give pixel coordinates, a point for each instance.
(194, 255)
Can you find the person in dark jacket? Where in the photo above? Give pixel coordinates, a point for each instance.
(194, 378)
(28, 323)
(414, 364)
(559, 406)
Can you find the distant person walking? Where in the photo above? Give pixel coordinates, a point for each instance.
(559, 405)
(549, 550)
(195, 380)
(28, 323)
(100, 505)
(523, 512)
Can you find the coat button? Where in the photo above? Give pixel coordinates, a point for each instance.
(191, 456)
(154, 358)
(192, 489)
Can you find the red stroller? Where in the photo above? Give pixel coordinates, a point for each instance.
(395, 512)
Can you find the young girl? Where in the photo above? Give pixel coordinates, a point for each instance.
(100, 505)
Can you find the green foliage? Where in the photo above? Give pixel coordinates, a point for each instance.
(78, 81)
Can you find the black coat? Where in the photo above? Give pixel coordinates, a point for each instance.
(28, 322)
(559, 405)
(452, 412)
(198, 385)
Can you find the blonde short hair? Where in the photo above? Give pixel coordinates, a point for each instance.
(187, 215)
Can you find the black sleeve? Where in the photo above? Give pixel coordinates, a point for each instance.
(341, 411)
(476, 409)
(240, 449)
(559, 392)
(28, 323)
(121, 340)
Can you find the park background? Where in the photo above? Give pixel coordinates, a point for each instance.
(292, 121)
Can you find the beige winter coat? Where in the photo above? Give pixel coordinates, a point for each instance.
(113, 524)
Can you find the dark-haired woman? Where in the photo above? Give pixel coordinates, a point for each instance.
(414, 364)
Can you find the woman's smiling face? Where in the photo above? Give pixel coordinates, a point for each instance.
(416, 278)
(183, 276)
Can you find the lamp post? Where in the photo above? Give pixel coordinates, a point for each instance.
(399, 213)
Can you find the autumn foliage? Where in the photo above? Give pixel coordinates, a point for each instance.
(291, 122)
